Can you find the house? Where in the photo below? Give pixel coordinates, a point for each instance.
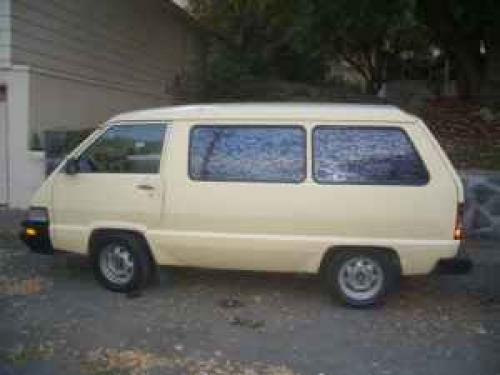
(69, 64)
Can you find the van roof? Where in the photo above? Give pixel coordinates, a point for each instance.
(270, 111)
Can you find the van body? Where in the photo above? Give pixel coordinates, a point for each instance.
(265, 187)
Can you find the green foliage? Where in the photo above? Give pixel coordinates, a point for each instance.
(24, 355)
(367, 34)
(460, 27)
(35, 144)
(297, 40)
(470, 16)
(266, 38)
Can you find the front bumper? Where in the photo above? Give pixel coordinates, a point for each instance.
(36, 236)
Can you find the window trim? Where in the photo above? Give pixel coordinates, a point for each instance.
(250, 126)
(370, 127)
(108, 126)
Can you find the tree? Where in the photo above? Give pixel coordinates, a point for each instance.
(259, 38)
(299, 39)
(464, 29)
(366, 34)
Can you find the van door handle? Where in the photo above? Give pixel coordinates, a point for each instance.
(145, 187)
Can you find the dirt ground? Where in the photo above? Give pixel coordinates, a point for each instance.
(55, 319)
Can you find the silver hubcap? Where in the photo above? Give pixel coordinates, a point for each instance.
(116, 264)
(361, 278)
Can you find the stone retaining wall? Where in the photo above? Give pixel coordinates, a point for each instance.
(482, 209)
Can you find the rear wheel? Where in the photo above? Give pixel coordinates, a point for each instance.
(362, 278)
(121, 262)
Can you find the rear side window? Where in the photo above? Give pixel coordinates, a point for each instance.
(366, 155)
(125, 149)
(247, 153)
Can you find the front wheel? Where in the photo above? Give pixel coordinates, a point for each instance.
(120, 262)
(362, 278)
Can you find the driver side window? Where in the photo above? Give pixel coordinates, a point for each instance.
(125, 149)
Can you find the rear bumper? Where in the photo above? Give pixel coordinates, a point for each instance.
(459, 264)
(36, 236)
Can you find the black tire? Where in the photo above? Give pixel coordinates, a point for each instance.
(137, 254)
(388, 266)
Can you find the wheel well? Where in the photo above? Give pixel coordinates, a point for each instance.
(335, 250)
(97, 234)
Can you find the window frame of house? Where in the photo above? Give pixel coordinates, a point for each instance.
(368, 183)
(304, 163)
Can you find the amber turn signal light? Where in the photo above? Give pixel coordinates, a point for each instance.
(459, 232)
(30, 232)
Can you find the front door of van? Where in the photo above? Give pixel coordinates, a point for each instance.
(117, 184)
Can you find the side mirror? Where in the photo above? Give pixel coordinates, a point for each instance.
(72, 166)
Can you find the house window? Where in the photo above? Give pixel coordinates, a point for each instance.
(248, 153)
(366, 155)
(125, 149)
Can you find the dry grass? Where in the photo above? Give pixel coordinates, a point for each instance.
(21, 287)
(138, 362)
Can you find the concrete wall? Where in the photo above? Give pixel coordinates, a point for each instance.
(4, 157)
(25, 168)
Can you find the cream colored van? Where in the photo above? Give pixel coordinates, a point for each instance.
(360, 194)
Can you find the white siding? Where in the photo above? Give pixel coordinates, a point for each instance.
(5, 33)
(147, 46)
(68, 104)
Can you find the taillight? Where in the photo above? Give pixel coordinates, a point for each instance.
(459, 232)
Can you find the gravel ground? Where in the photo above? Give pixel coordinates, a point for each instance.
(54, 319)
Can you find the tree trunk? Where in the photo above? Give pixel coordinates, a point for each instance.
(469, 66)
(376, 67)
(373, 86)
